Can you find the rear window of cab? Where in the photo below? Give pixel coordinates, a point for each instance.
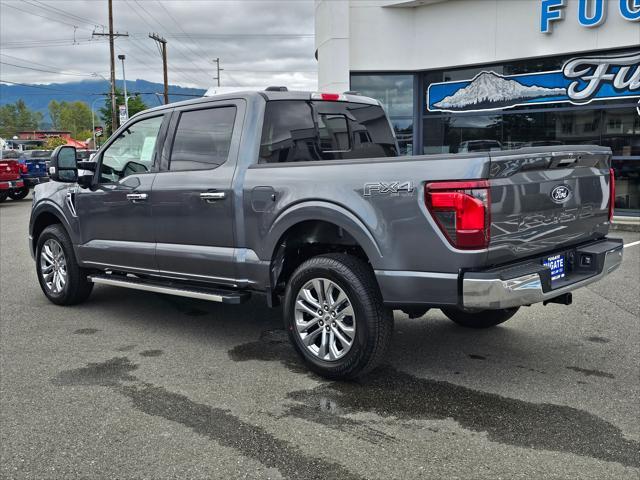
(304, 131)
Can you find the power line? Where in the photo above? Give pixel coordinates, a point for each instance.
(202, 52)
(38, 15)
(182, 74)
(36, 63)
(68, 43)
(47, 71)
(235, 35)
(186, 54)
(45, 88)
(146, 51)
(66, 13)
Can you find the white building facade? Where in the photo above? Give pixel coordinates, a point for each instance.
(455, 75)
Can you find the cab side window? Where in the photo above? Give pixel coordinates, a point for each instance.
(202, 139)
(132, 152)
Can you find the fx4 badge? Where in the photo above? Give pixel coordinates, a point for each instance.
(560, 193)
(387, 188)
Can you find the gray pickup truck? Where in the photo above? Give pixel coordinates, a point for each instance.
(302, 198)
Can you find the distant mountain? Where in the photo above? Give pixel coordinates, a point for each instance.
(37, 97)
(490, 88)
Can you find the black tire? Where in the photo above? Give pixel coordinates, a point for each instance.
(479, 318)
(76, 288)
(373, 322)
(3, 195)
(19, 194)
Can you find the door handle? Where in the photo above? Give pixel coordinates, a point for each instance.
(136, 197)
(212, 196)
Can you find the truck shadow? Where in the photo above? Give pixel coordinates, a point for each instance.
(255, 332)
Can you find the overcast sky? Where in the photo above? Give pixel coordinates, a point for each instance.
(259, 42)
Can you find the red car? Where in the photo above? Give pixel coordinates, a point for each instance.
(10, 180)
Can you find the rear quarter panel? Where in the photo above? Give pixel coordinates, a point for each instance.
(394, 228)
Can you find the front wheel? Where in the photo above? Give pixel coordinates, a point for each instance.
(335, 316)
(479, 318)
(61, 278)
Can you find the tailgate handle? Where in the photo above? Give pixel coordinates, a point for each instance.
(565, 162)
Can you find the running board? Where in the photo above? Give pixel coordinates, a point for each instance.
(210, 294)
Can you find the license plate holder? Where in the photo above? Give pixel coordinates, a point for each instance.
(556, 264)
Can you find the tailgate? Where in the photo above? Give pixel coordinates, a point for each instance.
(9, 170)
(544, 199)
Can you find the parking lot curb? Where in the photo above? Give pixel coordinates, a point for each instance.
(626, 224)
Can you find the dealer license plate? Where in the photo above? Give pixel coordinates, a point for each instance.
(556, 264)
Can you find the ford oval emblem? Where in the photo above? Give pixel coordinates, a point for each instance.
(560, 193)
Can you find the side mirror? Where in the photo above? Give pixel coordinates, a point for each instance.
(63, 166)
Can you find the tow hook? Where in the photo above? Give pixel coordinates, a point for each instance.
(564, 299)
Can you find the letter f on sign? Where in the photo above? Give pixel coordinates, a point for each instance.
(551, 11)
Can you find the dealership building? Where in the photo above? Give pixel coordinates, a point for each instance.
(477, 75)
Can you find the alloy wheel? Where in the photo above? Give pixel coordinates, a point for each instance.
(325, 319)
(53, 266)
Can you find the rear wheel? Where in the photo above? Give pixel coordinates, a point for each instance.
(479, 318)
(61, 278)
(335, 316)
(3, 195)
(19, 194)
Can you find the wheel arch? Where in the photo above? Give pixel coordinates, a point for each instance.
(313, 228)
(43, 217)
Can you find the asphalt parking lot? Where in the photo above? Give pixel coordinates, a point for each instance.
(138, 385)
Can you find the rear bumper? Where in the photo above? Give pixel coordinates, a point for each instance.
(33, 181)
(11, 184)
(528, 283)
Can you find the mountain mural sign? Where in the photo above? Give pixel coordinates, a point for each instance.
(580, 81)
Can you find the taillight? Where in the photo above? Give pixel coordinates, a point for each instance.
(462, 210)
(612, 193)
(23, 168)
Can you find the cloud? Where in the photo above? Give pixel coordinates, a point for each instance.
(259, 42)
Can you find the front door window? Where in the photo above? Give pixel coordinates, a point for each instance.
(132, 152)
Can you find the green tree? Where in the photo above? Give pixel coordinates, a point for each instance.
(84, 134)
(135, 105)
(74, 117)
(52, 142)
(55, 108)
(15, 117)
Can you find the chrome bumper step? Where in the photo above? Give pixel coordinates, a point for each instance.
(179, 290)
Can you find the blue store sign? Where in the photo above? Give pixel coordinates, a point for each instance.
(580, 81)
(591, 13)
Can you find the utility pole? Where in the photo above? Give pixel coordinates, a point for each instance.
(111, 35)
(163, 50)
(218, 69)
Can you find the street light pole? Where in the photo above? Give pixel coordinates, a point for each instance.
(93, 121)
(124, 80)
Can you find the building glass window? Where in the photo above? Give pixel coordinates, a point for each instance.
(613, 123)
(396, 94)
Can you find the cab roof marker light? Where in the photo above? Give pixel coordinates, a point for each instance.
(330, 97)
